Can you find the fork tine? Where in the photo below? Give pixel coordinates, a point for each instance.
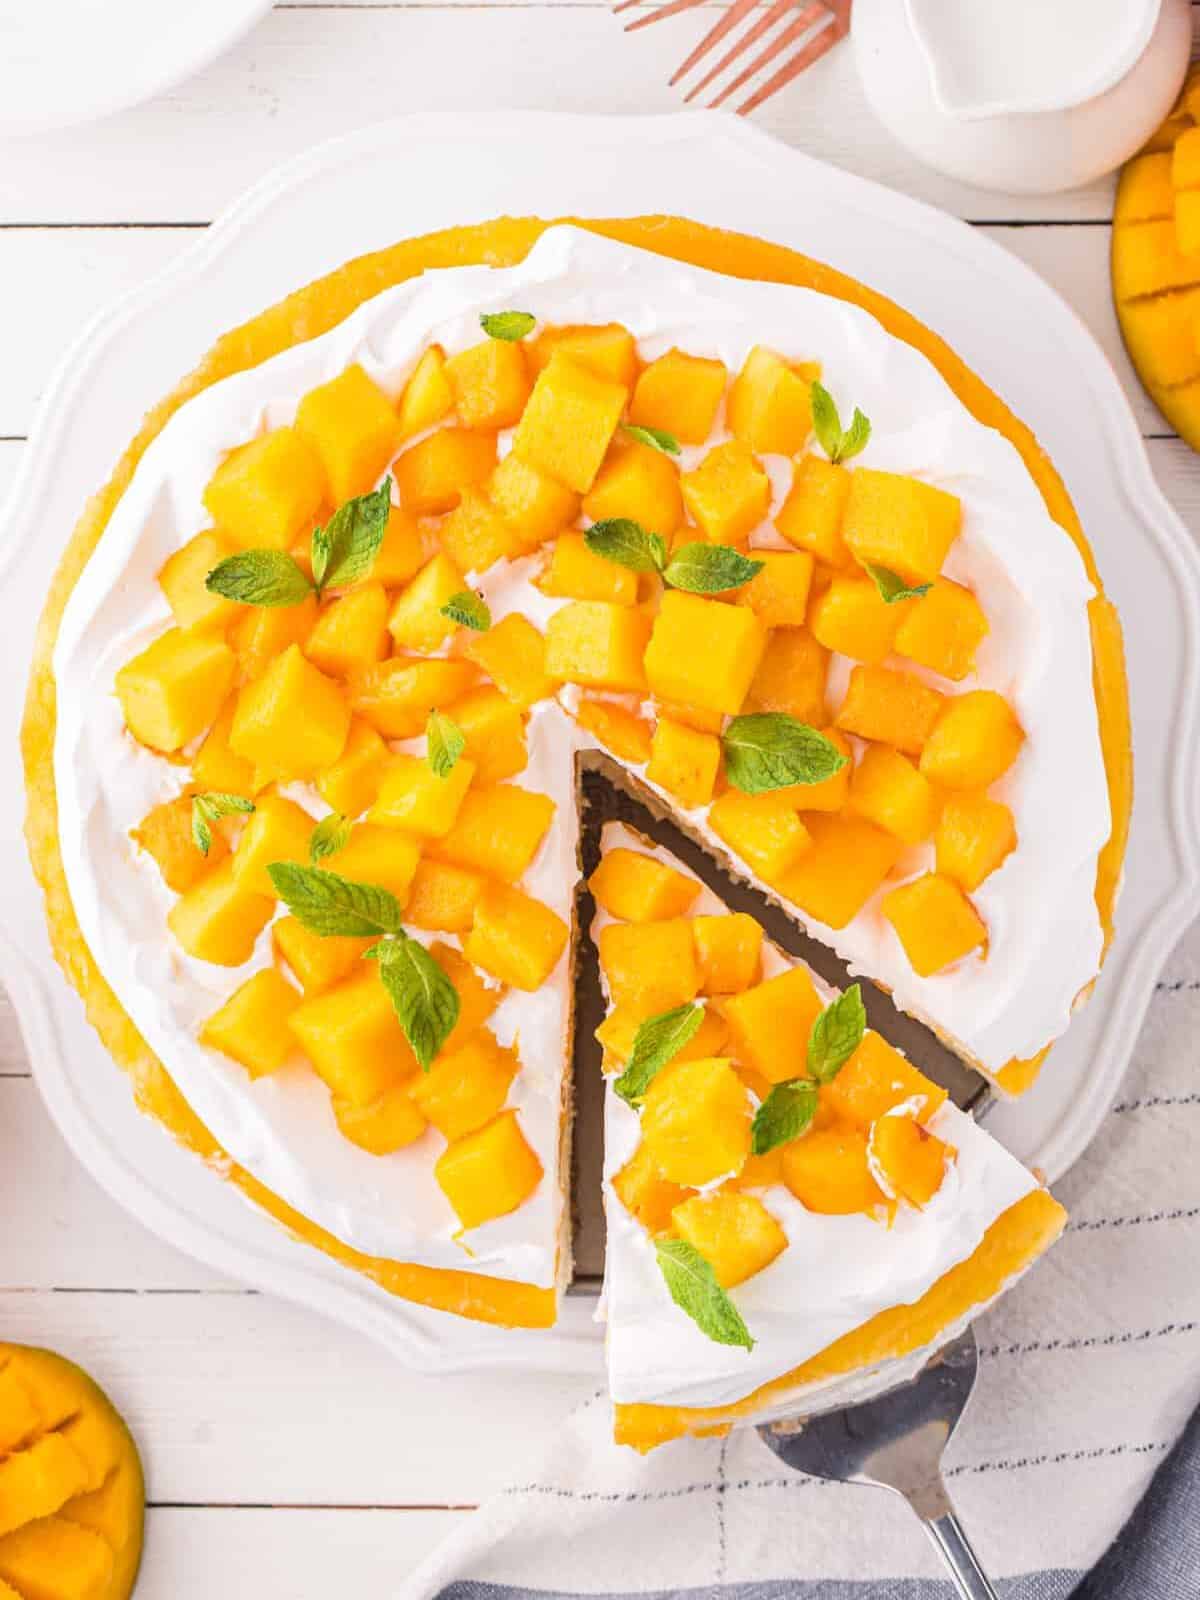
(739, 9)
(660, 13)
(794, 31)
(813, 51)
(769, 18)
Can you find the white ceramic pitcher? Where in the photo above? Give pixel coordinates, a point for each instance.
(1025, 95)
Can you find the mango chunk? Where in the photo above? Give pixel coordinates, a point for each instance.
(498, 830)
(770, 404)
(490, 1172)
(575, 573)
(252, 1024)
(515, 938)
(396, 696)
(279, 830)
(216, 766)
(639, 482)
(267, 631)
(763, 829)
(569, 422)
(403, 552)
(165, 833)
(910, 1160)
(944, 628)
(649, 966)
(293, 721)
(375, 854)
(55, 1559)
(513, 654)
(597, 644)
(735, 1233)
(416, 621)
(350, 424)
(182, 579)
(607, 349)
(811, 516)
(383, 1126)
(432, 474)
(413, 797)
(703, 652)
(353, 1038)
(975, 740)
(769, 1024)
(618, 729)
(848, 862)
(491, 383)
(443, 897)
(427, 397)
(696, 1121)
(853, 618)
(267, 493)
(175, 687)
(535, 505)
(935, 922)
(779, 593)
(900, 523)
(888, 790)
(645, 1194)
(468, 1087)
(352, 782)
(476, 999)
(639, 888)
(875, 1080)
(684, 763)
(893, 708)
(476, 534)
(680, 394)
(974, 836)
(729, 952)
(791, 677)
(317, 962)
(495, 733)
(828, 1172)
(728, 494)
(219, 921)
(350, 634)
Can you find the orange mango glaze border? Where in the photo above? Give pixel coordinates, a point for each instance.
(306, 314)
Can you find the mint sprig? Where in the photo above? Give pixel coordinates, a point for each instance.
(423, 997)
(260, 578)
(210, 807)
(657, 1042)
(626, 543)
(692, 1285)
(769, 750)
(784, 1115)
(469, 610)
(836, 1035)
(444, 743)
(656, 438)
(332, 906)
(328, 837)
(696, 568)
(838, 444)
(892, 586)
(507, 325)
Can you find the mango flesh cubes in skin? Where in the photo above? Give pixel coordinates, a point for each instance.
(497, 830)
(975, 741)
(293, 721)
(352, 782)
(279, 830)
(535, 505)
(811, 516)
(887, 789)
(606, 349)
(769, 1024)
(317, 962)
(412, 796)
(468, 1087)
(910, 1160)
(853, 618)
(570, 419)
(892, 707)
(703, 652)
(165, 833)
(651, 966)
(267, 493)
(791, 677)
(680, 394)
(575, 573)
(875, 1080)
(935, 922)
(219, 921)
(779, 593)
(943, 630)
(431, 475)
(622, 731)
(495, 733)
(353, 1038)
(696, 1121)
(513, 654)
(490, 382)
(735, 1233)
(384, 1126)
(639, 482)
(828, 1172)
(380, 855)
(597, 644)
(728, 950)
(637, 888)
(900, 523)
(351, 633)
(490, 1172)
(646, 1194)
(763, 829)
(350, 424)
(252, 1024)
(395, 697)
(728, 494)
(173, 690)
(848, 861)
(684, 763)
(182, 580)
(515, 938)
(974, 836)
(417, 621)
(427, 397)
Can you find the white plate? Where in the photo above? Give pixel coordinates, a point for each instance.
(70, 61)
(324, 208)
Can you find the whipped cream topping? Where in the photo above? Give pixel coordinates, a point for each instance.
(1045, 937)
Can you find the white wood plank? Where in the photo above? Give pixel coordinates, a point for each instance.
(243, 1400)
(305, 74)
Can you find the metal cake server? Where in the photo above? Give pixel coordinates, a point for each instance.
(896, 1442)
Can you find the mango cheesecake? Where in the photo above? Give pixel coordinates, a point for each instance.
(320, 662)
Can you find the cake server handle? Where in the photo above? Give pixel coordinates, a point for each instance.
(955, 1550)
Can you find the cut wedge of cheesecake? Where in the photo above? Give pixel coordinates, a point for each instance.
(797, 1217)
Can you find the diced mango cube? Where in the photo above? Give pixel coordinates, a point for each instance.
(416, 621)
(379, 855)
(973, 836)
(412, 796)
(476, 999)
(888, 790)
(779, 593)
(735, 1233)
(703, 652)
(645, 1193)
(975, 741)
(491, 383)
(570, 419)
(351, 425)
(893, 708)
(729, 950)
(252, 1024)
(382, 1126)
(684, 763)
(698, 717)
(279, 830)
(761, 828)
(606, 348)
(770, 404)
(728, 494)
(680, 394)
(535, 505)
(352, 782)
(402, 553)
(265, 494)
(490, 1172)
(498, 830)
(831, 794)
(396, 696)
(476, 534)
(600, 645)
(182, 578)
(910, 1160)
(515, 938)
(639, 888)
(828, 1172)
(943, 629)
(318, 962)
(293, 721)
(639, 482)
(427, 396)
(935, 922)
(432, 474)
(900, 523)
(696, 1121)
(791, 677)
(622, 731)
(165, 833)
(216, 766)
(875, 1080)
(351, 633)
(575, 573)
(265, 632)
(219, 921)
(468, 1087)
(175, 687)
(848, 862)
(811, 516)
(649, 966)
(495, 733)
(443, 897)
(353, 1038)
(513, 654)
(769, 1024)
(853, 618)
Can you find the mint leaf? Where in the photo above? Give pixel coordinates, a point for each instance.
(836, 1035)
(692, 1284)
(260, 578)
(770, 750)
(345, 548)
(627, 544)
(507, 325)
(469, 610)
(892, 586)
(855, 437)
(657, 438)
(709, 568)
(444, 743)
(207, 808)
(657, 1041)
(424, 999)
(784, 1115)
(328, 837)
(334, 907)
(838, 444)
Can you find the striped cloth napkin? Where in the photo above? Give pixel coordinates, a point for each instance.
(1075, 1471)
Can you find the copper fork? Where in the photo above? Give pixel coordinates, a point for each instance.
(801, 32)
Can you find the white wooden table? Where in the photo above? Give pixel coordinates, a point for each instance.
(284, 1455)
